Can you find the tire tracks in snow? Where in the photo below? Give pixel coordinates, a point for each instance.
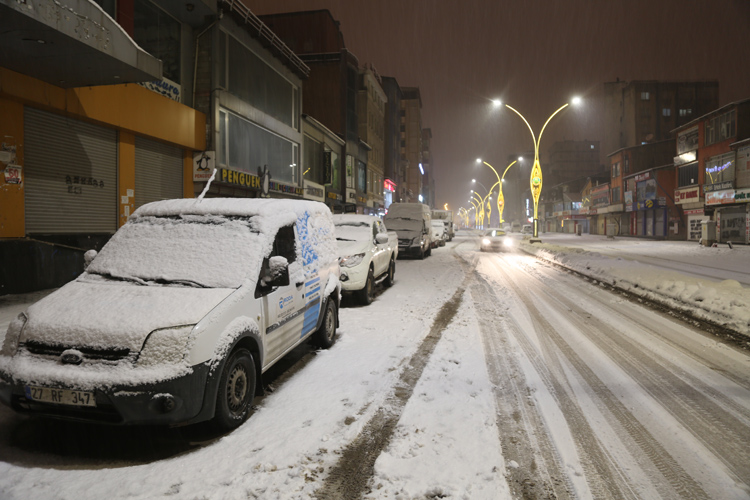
(553, 359)
(350, 477)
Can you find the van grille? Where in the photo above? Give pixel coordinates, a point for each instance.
(43, 349)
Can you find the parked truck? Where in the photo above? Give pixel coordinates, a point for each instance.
(446, 215)
(413, 223)
(367, 254)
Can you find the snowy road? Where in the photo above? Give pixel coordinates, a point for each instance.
(476, 376)
(615, 400)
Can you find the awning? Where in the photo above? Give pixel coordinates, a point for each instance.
(70, 43)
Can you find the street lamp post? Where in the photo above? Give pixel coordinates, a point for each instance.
(479, 207)
(500, 180)
(535, 179)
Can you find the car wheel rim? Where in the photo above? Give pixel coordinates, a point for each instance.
(236, 388)
(329, 324)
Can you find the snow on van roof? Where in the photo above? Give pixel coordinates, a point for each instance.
(286, 209)
(354, 218)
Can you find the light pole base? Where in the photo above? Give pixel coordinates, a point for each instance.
(535, 240)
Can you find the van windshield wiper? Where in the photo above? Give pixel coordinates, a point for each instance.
(132, 279)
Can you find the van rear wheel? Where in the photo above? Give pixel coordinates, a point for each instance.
(236, 390)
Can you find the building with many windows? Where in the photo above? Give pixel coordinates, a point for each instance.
(640, 112)
(371, 102)
(411, 144)
(713, 172)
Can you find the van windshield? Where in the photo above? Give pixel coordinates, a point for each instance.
(403, 223)
(199, 251)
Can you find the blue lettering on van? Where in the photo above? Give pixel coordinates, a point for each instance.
(309, 254)
(284, 301)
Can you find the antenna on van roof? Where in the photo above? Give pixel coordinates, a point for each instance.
(205, 189)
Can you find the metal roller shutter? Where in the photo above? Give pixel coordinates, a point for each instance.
(70, 175)
(158, 171)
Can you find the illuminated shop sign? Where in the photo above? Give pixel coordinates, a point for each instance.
(389, 185)
(244, 179)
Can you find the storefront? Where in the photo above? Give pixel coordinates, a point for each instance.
(691, 202)
(732, 214)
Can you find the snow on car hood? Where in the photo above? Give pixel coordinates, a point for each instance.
(347, 248)
(115, 315)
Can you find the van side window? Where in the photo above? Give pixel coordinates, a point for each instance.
(284, 244)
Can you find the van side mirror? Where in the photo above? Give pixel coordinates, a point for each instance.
(275, 272)
(381, 238)
(88, 257)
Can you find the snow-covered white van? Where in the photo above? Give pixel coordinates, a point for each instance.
(177, 317)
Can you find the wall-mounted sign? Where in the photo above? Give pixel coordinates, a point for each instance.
(251, 181)
(688, 195)
(165, 87)
(204, 164)
(13, 174)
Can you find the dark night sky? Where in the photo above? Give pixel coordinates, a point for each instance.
(534, 55)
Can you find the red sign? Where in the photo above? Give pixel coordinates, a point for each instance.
(687, 195)
(389, 185)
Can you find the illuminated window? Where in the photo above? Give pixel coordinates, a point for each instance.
(645, 96)
(666, 112)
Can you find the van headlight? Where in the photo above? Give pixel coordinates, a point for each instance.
(166, 346)
(351, 260)
(13, 335)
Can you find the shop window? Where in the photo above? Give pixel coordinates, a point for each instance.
(687, 175)
(158, 33)
(361, 176)
(313, 164)
(255, 82)
(239, 149)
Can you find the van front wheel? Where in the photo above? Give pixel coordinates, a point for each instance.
(326, 335)
(236, 390)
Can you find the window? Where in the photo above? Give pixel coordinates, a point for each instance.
(666, 112)
(627, 165)
(283, 244)
(158, 34)
(687, 175)
(255, 82)
(239, 149)
(720, 128)
(616, 195)
(616, 170)
(313, 164)
(361, 176)
(686, 112)
(645, 96)
(719, 169)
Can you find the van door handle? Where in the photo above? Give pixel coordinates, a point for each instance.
(300, 284)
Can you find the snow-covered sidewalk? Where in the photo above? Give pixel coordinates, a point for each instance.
(708, 282)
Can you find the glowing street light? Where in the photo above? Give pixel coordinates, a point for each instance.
(535, 179)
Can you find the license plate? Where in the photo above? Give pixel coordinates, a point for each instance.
(60, 396)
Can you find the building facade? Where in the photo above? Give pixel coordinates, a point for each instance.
(411, 144)
(570, 160)
(371, 103)
(639, 112)
(713, 175)
(88, 138)
(394, 165)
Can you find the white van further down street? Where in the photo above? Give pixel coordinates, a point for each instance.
(367, 254)
(413, 223)
(177, 317)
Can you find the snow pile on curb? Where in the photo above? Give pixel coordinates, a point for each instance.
(725, 302)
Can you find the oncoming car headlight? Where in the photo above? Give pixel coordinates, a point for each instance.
(486, 241)
(351, 260)
(165, 346)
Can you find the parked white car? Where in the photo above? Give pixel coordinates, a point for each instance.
(367, 254)
(178, 316)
